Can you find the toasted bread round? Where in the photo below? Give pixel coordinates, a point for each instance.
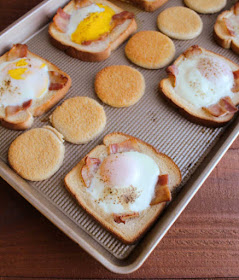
(147, 5)
(95, 51)
(206, 6)
(79, 119)
(37, 154)
(119, 85)
(150, 49)
(180, 23)
(134, 228)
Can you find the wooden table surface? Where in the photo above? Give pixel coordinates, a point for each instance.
(203, 243)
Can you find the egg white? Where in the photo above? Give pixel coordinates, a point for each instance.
(144, 184)
(34, 84)
(198, 90)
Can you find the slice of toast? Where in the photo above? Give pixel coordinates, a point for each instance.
(147, 5)
(226, 29)
(135, 227)
(193, 113)
(97, 50)
(21, 117)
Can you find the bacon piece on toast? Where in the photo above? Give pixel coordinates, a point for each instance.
(12, 110)
(61, 20)
(17, 51)
(162, 192)
(121, 218)
(89, 169)
(125, 146)
(57, 80)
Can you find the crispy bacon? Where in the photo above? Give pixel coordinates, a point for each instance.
(89, 169)
(121, 18)
(125, 146)
(224, 106)
(229, 27)
(236, 9)
(17, 51)
(236, 81)
(121, 218)
(61, 20)
(12, 110)
(215, 110)
(57, 80)
(82, 3)
(227, 104)
(193, 51)
(172, 71)
(162, 192)
(101, 38)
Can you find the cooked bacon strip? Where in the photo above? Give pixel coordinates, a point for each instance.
(61, 20)
(12, 110)
(101, 38)
(121, 218)
(82, 3)
(57, 80)
(215, 110)
(236, 81)
(17, 51)
(89, 169)
(191, 52)
(125, 146)
(236, 9)
(172, 71)
(229, 27)
(227, 104)
(121, 18)
(162, 192)
(224, 106)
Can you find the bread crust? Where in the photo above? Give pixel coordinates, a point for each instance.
(221, 35)
(134, 228)
(84, 55)
(17, 122)
(197, 116)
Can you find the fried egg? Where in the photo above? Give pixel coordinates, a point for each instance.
(21, 80)
(90, 23)
(125, 182)
(203, 80)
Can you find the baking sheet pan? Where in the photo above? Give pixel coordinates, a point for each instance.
(195, 149)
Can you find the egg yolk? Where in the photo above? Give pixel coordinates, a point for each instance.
(17, 73)
(94, 26)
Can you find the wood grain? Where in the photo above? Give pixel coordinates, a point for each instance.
(203, 243)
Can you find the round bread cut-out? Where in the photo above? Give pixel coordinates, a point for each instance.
(79, 119)
(206, 6)
(119, 85)
(180, 23)
(150, 49)
(37, 154)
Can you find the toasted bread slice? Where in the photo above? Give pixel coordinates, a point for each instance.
(21, 117)
(130, 231)
(194, 113)
(147, 5)
(225, 29)
(101, 48)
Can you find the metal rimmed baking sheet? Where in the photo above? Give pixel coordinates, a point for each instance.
(196, 149)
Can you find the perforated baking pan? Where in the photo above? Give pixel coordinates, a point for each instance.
(195, 149)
